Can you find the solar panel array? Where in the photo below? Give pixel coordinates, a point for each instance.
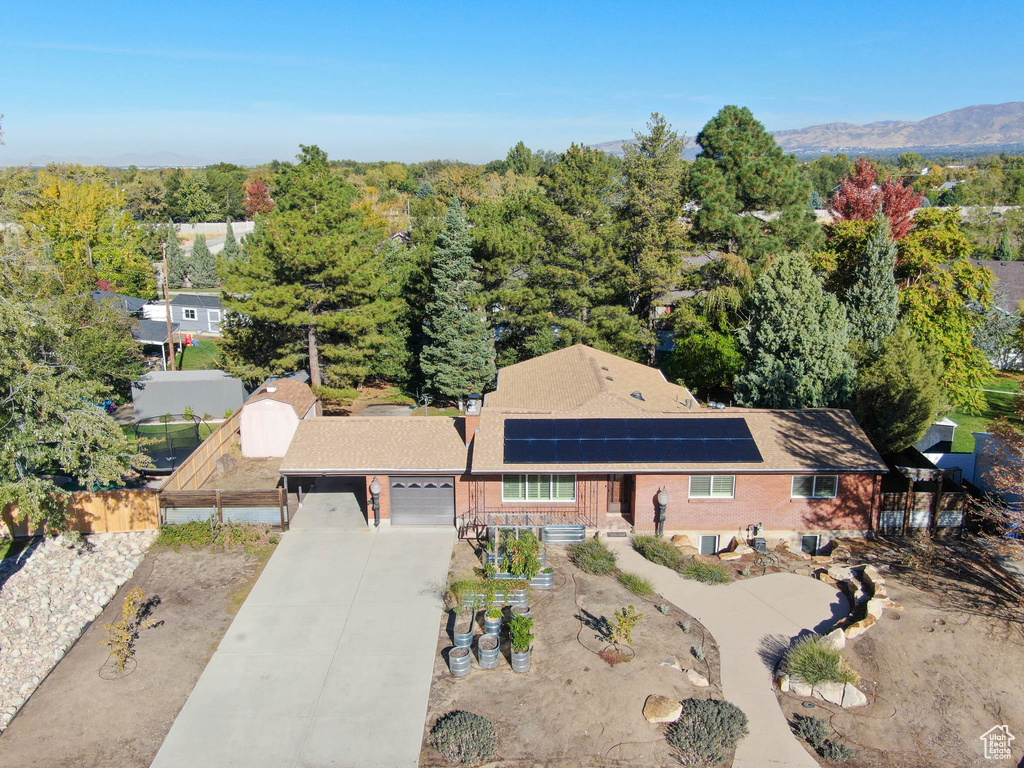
(629, 441)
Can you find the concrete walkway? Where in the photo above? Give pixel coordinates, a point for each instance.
(749, 619)
(329, 661)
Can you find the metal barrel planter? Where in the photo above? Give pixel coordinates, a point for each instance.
(459, 661)
(464, 638)
(543, 555)
(521, 610)
(521, 661)
(492, 626)
(488, 650)
(543, 581)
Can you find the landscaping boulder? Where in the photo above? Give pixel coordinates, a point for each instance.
(840, 573)
(682, 540)
(800, 688)
(744, 549)
(688, 550)
(727, 556)
(830, 692)
(696, 678)
(658, 709)
(803, 571)
(782, 680)
(871, 577)
(823, 576)
(853, 697)
(876, 607)
(671, 661)
(821, 558)
(881, 590)
(860, 627)
(838, 639)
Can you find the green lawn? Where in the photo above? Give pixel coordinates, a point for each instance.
(10, 547)
(997, 404)
(202, 358)
(157, 430)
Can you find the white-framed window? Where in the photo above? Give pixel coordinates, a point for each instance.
(708, 544)
(712, 486)
(560, 488)
(809, 544)
(188, 314)
(213, 316)
(815, 486)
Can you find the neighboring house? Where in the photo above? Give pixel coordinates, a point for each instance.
(583, 437)
(1009, 288)
(271, 415)
(206, 393)
(130, 305)
(193, 312)
(148, 332)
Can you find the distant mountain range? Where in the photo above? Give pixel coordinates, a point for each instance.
(147, 160)
(991, 127)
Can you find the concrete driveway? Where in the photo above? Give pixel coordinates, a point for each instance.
(748, 619)
(329, 660)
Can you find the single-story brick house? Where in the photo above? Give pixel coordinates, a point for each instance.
(580, 436)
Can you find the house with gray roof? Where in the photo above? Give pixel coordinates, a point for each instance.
(196, 313)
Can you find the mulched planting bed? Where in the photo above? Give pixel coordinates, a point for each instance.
(574, 708)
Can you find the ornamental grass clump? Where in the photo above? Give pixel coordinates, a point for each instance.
(813, 660)
(592, 556)
(707, 573)
(658, 550)
(636, 584)
(706, 731)
(464, 738)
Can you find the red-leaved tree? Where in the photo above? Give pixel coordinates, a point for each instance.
(860, 198)
(257, 198)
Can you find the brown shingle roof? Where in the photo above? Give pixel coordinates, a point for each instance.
(805, 440)
(359, 445)
(580, 380)
(295, 393)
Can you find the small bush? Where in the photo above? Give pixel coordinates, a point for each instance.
(199, 533)
(698, 652)
(638, 585)
(706, 731)
(464, 738)
(658, 550)
(520, 631)
(121, 635)
(813, 659)
(625, 622)
(836, 752)
(252, 537)
(592, 556)
(708, 573)
(811, 729)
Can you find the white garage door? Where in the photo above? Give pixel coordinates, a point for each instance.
(423, 501)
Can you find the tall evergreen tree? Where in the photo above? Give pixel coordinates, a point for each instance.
(309, 291)
(872, 303)
(796, 347)
(458, 356)
(752, 196)
(202, 267)
(232, 250)
(652, 235)
(177, 269)
(898, 394)
(1004, 251)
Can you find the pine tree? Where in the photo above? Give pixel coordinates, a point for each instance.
(202, 267)
(458, 356)
(872, 303)
(652, 231)
(796, 345)
(176, 266)
(232, 250)
(752, 195)
(1004, 251)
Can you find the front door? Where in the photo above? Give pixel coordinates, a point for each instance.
(619, 494)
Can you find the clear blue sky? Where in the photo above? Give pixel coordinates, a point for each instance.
(247, 82)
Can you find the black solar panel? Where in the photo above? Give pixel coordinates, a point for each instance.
(623, 441)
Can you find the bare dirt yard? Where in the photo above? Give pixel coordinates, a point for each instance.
(945, 669)
(572, 708)
(86, 714)
(237, 473)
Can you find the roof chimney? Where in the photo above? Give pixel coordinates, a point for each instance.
(471, 421)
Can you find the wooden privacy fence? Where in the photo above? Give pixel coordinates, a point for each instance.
(198, 467)
(101, 512)
(262, 506)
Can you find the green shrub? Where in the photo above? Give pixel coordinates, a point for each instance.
(252, 537)
(625, 622)
(658, 550)
(464, 738)
(636, 584)
(708, 573)
(592, 556)
(811, 729)
(813, 659)
(520, 631)
(836, 752)
(494, 613)
(199, 533)
(705, 731)
(522, 555)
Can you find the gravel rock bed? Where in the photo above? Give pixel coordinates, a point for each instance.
(49, 592)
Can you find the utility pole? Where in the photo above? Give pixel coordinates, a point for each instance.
(167, 308)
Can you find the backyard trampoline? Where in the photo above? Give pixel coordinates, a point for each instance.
(168, 441)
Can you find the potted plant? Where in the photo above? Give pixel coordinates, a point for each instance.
(492, 622)
(488, 651)
(462, 630)
(521, 610)
(521, 633)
